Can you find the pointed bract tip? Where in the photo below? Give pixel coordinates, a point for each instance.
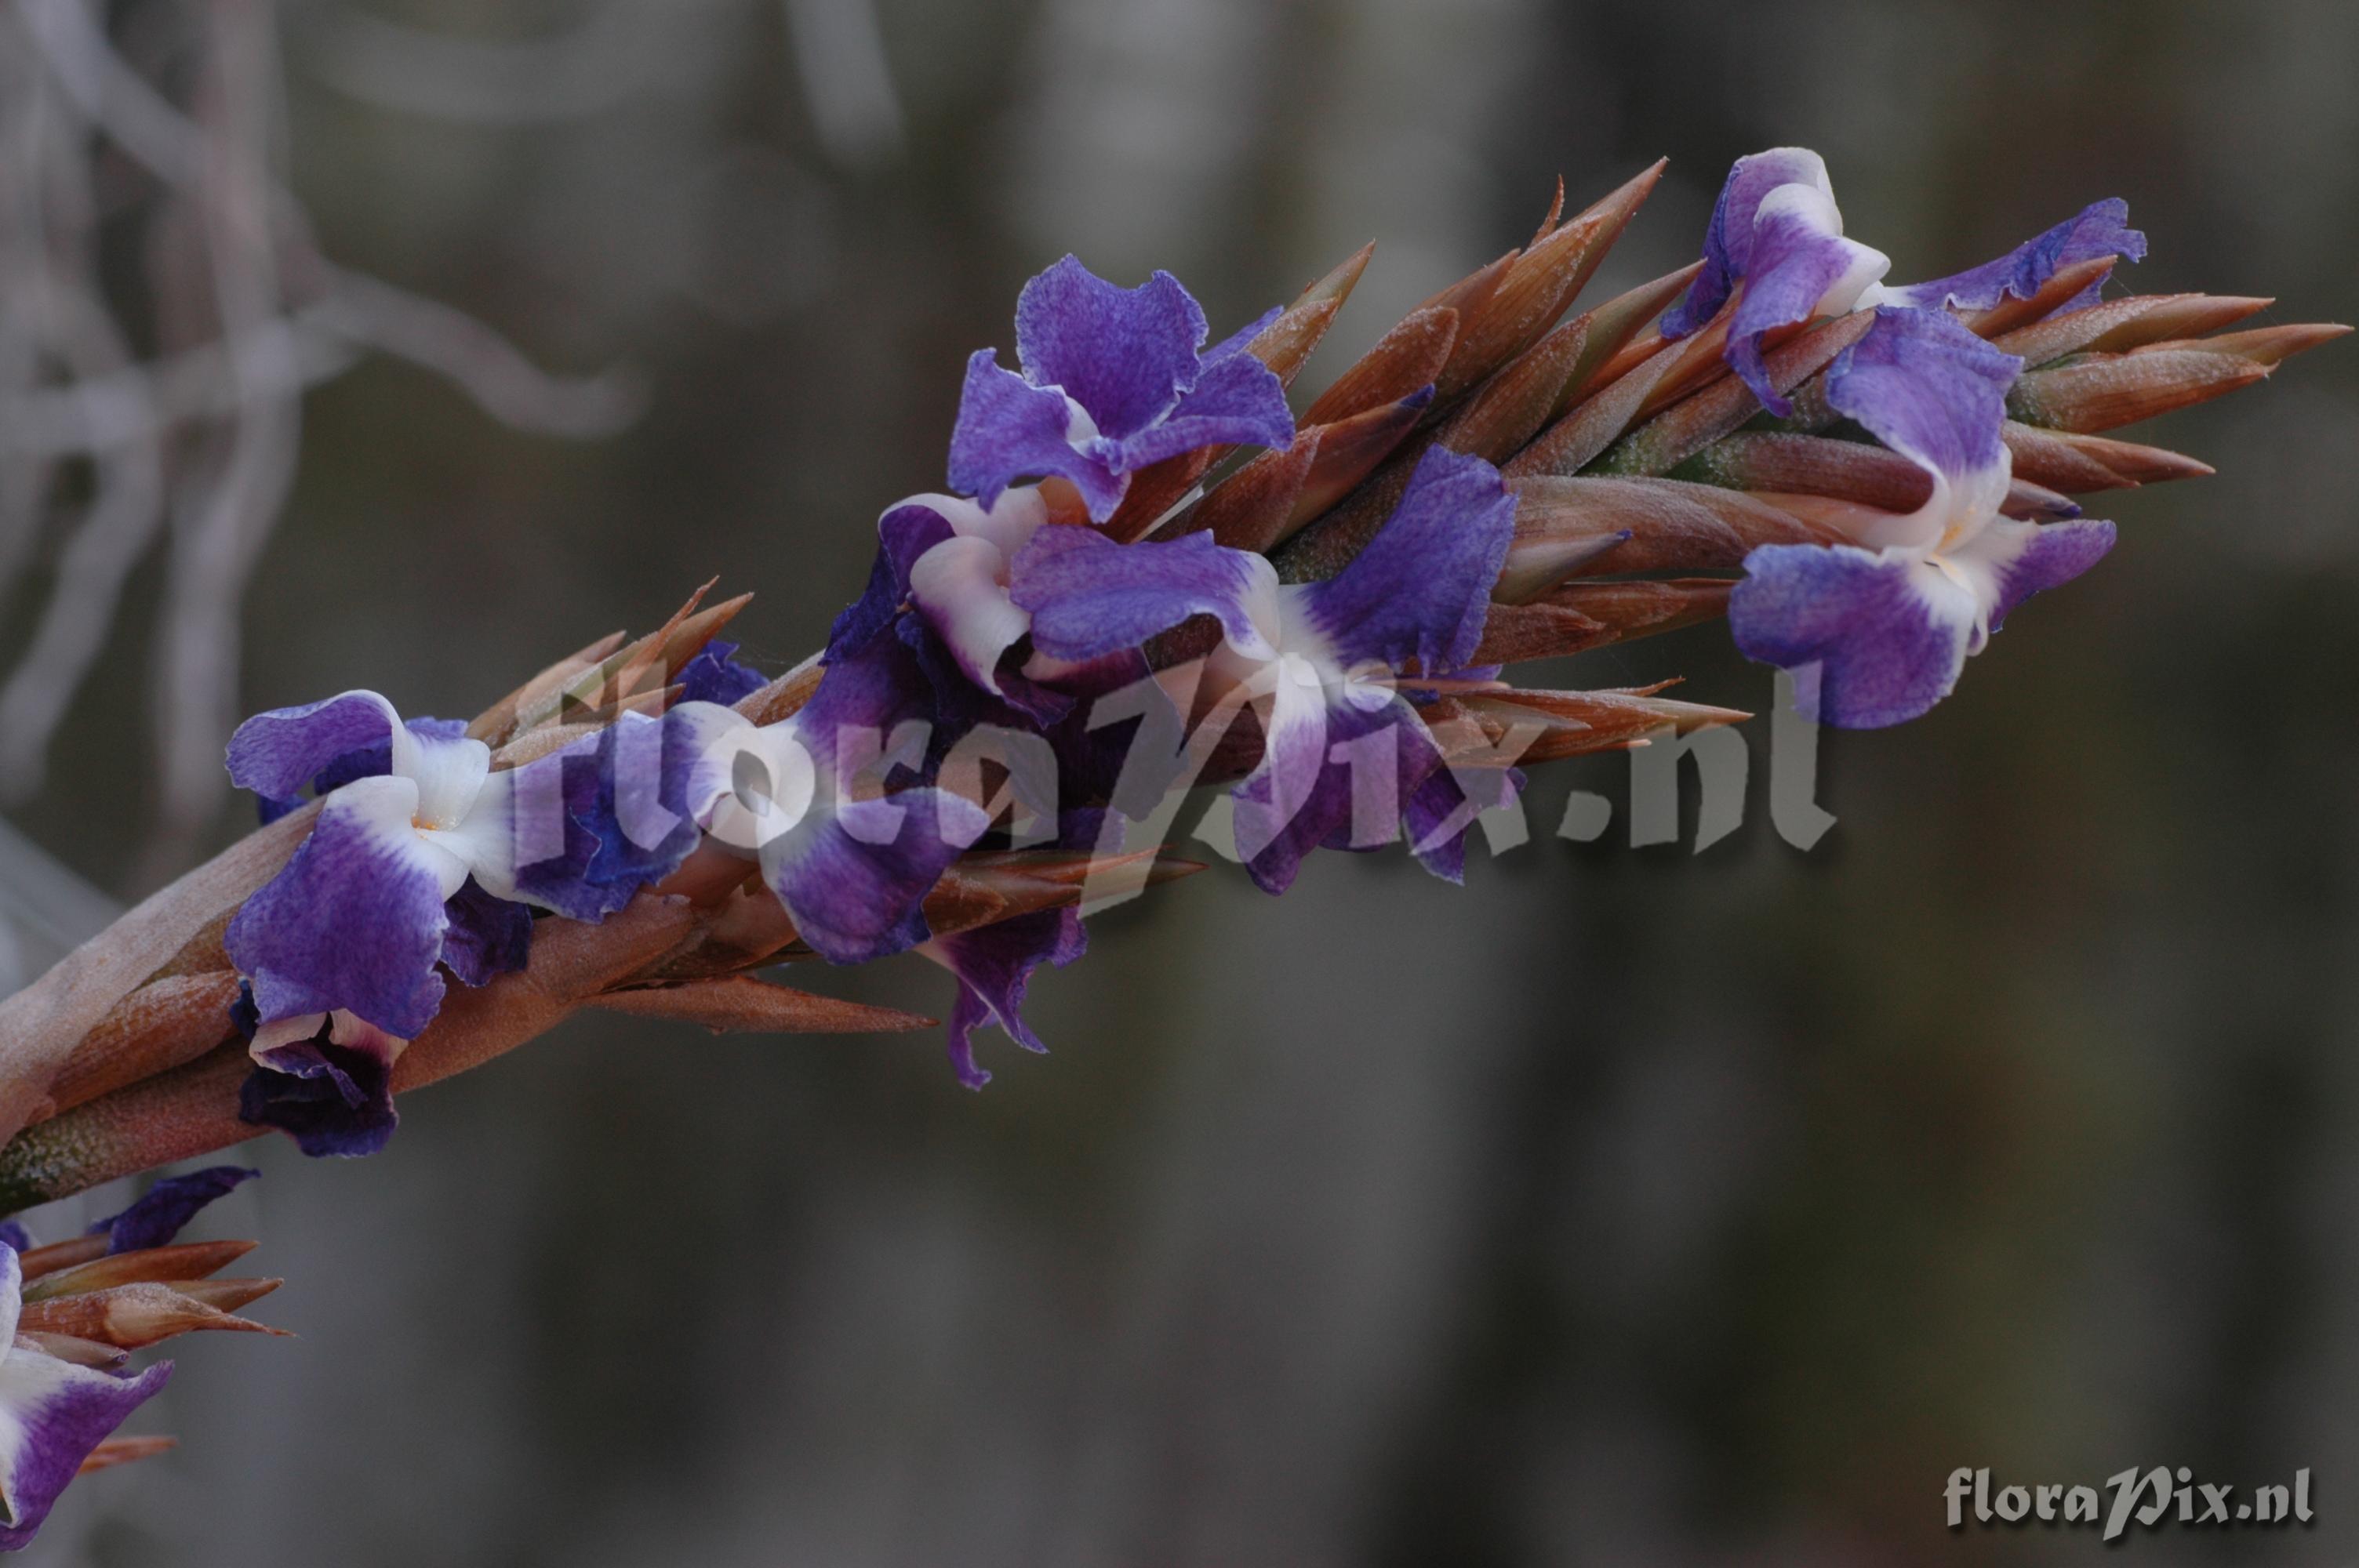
(113, 1451)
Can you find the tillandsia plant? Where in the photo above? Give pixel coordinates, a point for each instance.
(1147, 576)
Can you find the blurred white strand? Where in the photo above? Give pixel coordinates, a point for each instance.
(204, 436)
(605, 62)
(840, 58)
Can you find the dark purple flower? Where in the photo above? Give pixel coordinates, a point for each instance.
(1877, 631)
(1113, 379)
(327, 1081)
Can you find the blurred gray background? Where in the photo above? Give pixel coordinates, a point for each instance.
(1628, 1206)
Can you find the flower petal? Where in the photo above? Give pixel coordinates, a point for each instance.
(163, 1209)
(1296, 796)
(487, 936)
(1421, 589)
(957, 586)
(1241, 340)
(1935, 393)
(1239, 401)
(1729, 239)
(276, 755)
(993, 965)
(715, 675)
(1089, 597)
(2020, 559)
(853, 875)
(1009, 429)
(1124, 354)
(906, 530)
(2101, 229)
(1873, 638)
(1799, 267)
(355, 919)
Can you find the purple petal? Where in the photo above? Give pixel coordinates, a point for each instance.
(1238, 402)
(1241, 340)
(487, 936)
(335, 1098)
(715, 675)
(367, 763)
(1124, 354)
(2101, 229)
(52, 1414)
(1009, 429)
(1929, 388)
(581, 830)
(1309, 793)
(903, 534)
(1441, 811)
(1801, 265)
(1089, 597)
(274, 755)
(993, 965)
(853, 878)
(1421, 589)
(15, 1236)
(2049, 555)
(1872, 640)
(161, 1212)
(355, 920)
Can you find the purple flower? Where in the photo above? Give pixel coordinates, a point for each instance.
(1112, 380)
(53, 1413)
(428, 864)
(1775, 234)
(1345, 757)
(807, 797)
(1877, 631)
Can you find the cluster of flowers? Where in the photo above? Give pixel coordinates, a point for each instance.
(1874, 476)
(1006, 607)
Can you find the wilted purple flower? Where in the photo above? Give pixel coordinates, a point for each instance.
(1877, 631)
(1346, 759)
(53, 1413)
(1113, 379)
